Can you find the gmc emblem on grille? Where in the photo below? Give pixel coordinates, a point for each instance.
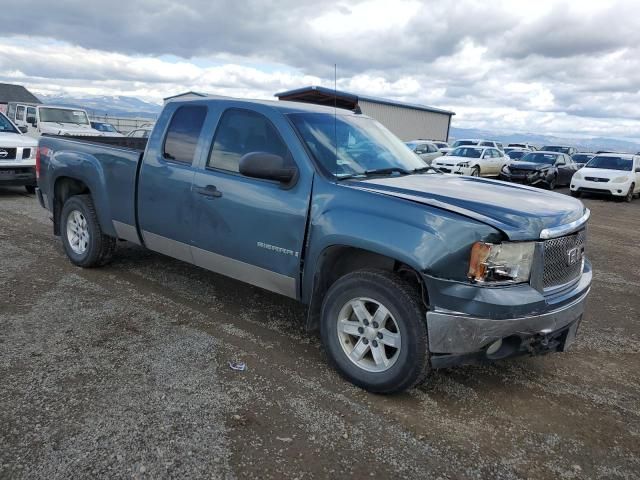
(573, 256)
(4, 154)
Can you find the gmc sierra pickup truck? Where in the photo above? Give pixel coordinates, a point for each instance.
(403, 269)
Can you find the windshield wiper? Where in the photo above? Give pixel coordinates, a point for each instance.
(426, 169)
(386, 171)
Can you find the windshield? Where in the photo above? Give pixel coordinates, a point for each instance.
(459, 143)
(516, 154)
(582, 157)
(466, 152)
(63, 115)
(347, 145)
(553, 148)
(540, 158)
(611, 163)
(104, 127)
(6, 125)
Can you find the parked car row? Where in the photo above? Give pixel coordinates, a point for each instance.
(552, 166)
(37, 120)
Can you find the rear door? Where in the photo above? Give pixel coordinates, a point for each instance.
(247, 228)
(165, 203)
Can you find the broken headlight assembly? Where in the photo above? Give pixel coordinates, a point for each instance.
(508, 262)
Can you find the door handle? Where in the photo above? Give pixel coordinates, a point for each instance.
(209, 191)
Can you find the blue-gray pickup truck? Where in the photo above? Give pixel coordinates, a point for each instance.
(403, 269)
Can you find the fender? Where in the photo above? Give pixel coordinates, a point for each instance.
(87, 169)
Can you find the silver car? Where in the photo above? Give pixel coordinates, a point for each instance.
(427, 151)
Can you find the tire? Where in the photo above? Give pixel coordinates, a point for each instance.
(407, 365)
(31, 189)
(475, 171)
(629, 196)
(92, 248)
(552, 183)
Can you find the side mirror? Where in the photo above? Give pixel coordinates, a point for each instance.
(268, 167)
(23, 129)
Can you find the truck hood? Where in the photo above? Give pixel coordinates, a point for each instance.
(520, 212)
(11, 140)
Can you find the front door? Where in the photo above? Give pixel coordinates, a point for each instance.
(566, 169)
(247, 228)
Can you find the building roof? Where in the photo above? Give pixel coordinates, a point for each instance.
(10, 92)
(190, 92)
(328, 96)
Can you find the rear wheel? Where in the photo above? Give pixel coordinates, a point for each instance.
(629, 196)
(374, 330)
(82, 237)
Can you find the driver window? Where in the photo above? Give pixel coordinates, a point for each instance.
(560, 160)
(244, 131)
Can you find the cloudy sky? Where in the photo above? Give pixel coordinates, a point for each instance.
(558, 67)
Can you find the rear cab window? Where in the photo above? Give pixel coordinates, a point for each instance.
(183, 133)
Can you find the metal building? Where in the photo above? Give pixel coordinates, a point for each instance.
(10, 92)
(408, 121)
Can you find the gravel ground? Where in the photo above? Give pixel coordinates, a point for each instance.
(122, 372)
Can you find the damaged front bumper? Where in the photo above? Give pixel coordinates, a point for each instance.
(503, 322)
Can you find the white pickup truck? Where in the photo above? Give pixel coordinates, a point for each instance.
(53, 120)
(17, 156)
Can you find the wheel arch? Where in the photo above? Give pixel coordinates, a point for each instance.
(66, 186)
(336, 261)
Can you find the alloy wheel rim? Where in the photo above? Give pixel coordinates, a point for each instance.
(77, 232)
(369, 335)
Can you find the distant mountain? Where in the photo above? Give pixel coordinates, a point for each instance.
(585, 144)
(115, 106)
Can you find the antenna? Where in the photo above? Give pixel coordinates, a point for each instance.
(335, 117)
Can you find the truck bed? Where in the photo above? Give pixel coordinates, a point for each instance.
(107, 166)
(132, 143)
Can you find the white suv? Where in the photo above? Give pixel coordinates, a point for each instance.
(17, 156)
(616, 174)
(41, 119)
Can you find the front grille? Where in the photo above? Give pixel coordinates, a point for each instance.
(596, 179)
(560, 266)
(26, 153)
(7, 153)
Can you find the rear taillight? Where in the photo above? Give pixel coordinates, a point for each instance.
(38, 163)
(40, 152)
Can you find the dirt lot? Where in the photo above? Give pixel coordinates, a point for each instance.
(123, 372)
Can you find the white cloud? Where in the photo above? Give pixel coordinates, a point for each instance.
(550, 66)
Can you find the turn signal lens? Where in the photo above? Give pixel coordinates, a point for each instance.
(478, 263)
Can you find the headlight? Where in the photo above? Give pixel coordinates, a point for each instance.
(504, 262)
(463, 164)
(620, 180)
(505, 169)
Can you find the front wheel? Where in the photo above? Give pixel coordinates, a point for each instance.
(552, 183)
(629, 196)
(373, 327)
(475, 172)
(82, 237)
